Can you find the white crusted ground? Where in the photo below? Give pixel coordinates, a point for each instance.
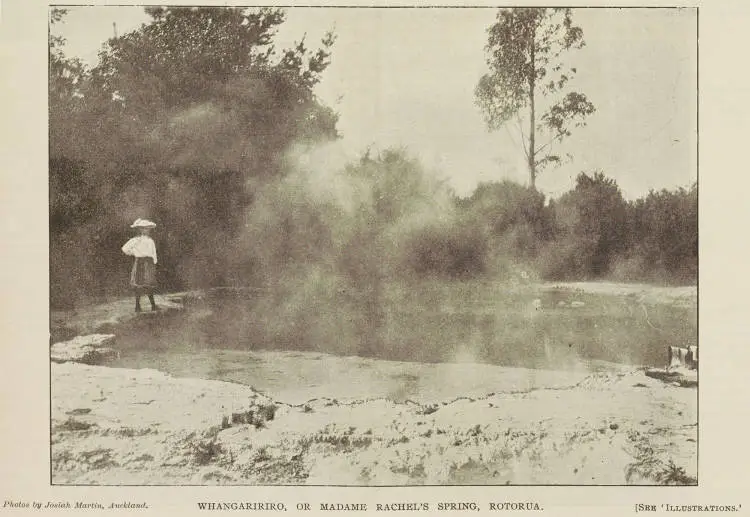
(360, 421)
(114, 426)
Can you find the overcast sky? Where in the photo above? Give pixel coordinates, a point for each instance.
(407, 77)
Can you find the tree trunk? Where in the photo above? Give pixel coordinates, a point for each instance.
(532, 144)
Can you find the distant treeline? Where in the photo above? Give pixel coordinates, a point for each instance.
(590, 232)
(230, 156)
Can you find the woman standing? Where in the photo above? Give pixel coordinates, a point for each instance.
(143, 274)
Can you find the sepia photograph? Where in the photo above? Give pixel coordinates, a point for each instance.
(373, 246)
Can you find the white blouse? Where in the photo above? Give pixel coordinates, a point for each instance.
(140, 246)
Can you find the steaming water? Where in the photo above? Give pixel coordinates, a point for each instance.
(433, 340)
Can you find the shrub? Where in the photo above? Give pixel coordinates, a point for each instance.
(590, 229)
(450, 251)
(664, 227)
(503, 207)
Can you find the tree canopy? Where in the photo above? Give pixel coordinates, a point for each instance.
(181, 120)
(196, 120)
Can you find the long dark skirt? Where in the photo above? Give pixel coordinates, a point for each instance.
(143, 274)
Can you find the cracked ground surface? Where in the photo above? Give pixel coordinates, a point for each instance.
(360, 421)
(119, 426)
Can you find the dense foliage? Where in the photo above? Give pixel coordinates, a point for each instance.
(181, 121)
(590, 232)
(195, 120)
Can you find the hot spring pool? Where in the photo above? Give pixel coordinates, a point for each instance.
(300, 348)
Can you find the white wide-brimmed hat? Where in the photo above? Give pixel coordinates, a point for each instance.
(143, 223)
